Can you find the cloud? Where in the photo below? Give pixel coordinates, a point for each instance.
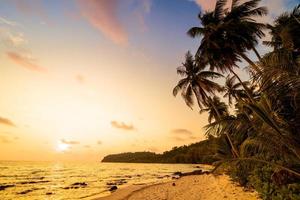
(181, 131)
(12, 38)
(25, 61)
(7, 22)
(122, 125)
(80, 78)
(69, 142)
(7, 122)
(99, 142)
(182, 134)
(103, 16)
(206, 4)
(143, 8)
(5, 140)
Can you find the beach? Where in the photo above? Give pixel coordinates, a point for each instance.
(195, 187)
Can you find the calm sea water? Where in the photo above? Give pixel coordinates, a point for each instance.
(69, 181)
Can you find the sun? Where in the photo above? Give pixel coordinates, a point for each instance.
(62, 147)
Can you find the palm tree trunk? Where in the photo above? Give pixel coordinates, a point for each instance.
(219, 117)
(244, 86)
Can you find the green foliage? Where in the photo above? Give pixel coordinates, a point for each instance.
(204, 152)
(263, 132)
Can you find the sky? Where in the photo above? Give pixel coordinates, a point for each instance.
(82, 79)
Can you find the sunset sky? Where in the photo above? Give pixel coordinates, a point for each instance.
(81, 79)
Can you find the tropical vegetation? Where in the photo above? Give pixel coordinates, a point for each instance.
(258, 118)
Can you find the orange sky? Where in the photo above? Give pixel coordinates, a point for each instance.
(78, 85)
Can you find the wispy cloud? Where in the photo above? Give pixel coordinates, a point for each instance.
(7, 122)
(25, 61)
(70, 142)
(182, 134)
(139, 13)
(122, 125)
(7, 22)
(103, 16)
(206, 4)
(10, 38)
(99, 142)
(181, 131)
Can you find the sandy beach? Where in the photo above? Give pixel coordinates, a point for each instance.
(208, 187)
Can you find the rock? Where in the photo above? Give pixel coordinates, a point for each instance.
(3, 187)
(49, 193)
(177, 173)
(198, 167)
(82, 184)
(173, 184)
(196, 172)
(25, 192)
(117, 182)
(113, 188)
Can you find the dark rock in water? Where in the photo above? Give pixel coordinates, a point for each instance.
(173, 184)
(196, 172)
(82, 184)
(3, 187)
(117, 182)
(49, 193)
(177, 173)
(25, 192)
(76, 185)
(113, 188)
(198, 167)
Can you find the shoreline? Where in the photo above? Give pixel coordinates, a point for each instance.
(192, 187)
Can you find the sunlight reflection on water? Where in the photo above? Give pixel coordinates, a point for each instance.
(48, 180)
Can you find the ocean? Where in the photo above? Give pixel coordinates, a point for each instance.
(70, 181)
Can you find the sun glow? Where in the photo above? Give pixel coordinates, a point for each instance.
(62, 147)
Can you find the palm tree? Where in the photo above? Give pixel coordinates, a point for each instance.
(233, 90)
(285, 31)
(227, 36)
(196, 82)
(216, 109)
